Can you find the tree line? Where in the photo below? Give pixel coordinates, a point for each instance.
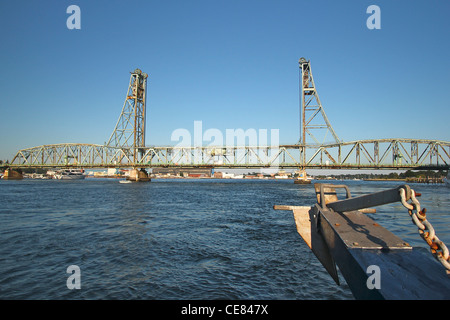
(392, 175)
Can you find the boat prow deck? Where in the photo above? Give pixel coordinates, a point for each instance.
(375, 263)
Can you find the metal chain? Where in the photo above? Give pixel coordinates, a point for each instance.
(426, 230)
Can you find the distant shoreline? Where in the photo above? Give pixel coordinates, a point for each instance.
(381, 179)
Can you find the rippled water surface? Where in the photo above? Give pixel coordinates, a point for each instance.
(175, 239)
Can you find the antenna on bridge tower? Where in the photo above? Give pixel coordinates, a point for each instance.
(311, 107)
(129, 132)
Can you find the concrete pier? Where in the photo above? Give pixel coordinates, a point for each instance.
(138, 175)
(302, 178)
(12, 175)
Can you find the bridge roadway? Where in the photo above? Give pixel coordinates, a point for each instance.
(361, 154)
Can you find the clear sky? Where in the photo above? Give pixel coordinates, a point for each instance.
(231, 64)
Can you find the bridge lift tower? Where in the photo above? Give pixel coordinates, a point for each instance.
(313, 117)
(311, 109)
(129, 133)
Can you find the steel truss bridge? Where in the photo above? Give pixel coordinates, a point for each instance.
(361, 154)
(126, 146)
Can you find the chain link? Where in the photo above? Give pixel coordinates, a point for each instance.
(426, 230)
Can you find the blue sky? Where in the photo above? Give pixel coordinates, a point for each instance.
(230, 64)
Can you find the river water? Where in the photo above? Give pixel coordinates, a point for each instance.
(203, 239)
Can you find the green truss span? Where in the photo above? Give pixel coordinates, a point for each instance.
(361, 154)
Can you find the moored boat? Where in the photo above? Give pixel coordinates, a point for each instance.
(69, 174)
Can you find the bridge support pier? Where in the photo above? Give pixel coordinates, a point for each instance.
(12, 175)
(302, 178)
(139, 175)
